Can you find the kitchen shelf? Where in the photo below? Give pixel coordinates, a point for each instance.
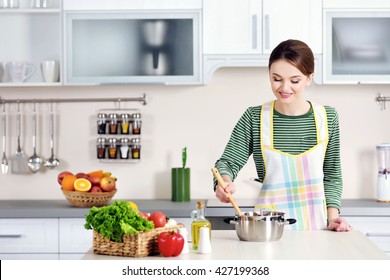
(29, 11)
(141, 99)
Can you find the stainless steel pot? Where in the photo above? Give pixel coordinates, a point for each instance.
(265, 226)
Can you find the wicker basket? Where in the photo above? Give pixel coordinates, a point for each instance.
(141, 245)
(88, 199)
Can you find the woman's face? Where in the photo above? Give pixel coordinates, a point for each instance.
(287, 82)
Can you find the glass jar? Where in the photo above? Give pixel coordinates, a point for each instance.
(135, 148)
(136, 123)
(198, 221)
(125, 123)
(124, 148)
(113, 124)
(102, 123)
(112, 148)
(101, 147)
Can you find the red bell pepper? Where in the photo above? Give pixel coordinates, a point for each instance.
(170, 243)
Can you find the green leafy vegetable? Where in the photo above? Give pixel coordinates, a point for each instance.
(114, 220)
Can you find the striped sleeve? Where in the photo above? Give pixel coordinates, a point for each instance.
(238, 149)
(333, 182)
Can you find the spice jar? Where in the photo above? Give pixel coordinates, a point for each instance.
(113, 123)
(135, 148)
(125, 123)
(112, 148)
(101, 123)
(124, 148)
(101, 147)
(136, 123)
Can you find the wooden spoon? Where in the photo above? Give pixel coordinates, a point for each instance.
(222, 183)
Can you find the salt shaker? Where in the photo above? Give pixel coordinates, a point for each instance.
(204, 246)
(183, 232)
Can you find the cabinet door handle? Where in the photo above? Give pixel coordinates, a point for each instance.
(254, 32)
(10, 235)
(266, 32)
(378, 234)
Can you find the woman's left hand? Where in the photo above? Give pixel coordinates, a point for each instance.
(339, 224)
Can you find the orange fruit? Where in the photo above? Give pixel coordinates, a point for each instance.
(68, 182)
(96, 173)
(82, 185)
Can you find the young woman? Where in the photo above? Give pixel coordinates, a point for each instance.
(295, 145)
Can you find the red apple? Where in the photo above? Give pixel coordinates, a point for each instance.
(143, 215)
(62, 175)
(82, 175)
(96, 189)
(107, 184)
(95, 181)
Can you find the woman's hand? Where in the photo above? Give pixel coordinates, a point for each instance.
(339, 224)
(222, 194)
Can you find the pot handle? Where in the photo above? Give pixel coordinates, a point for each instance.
(289, 221)
(230, 221)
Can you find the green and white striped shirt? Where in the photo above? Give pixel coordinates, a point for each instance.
(292, 134)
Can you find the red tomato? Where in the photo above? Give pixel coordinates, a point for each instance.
(170, 244)
(143, 215)
(158, 218)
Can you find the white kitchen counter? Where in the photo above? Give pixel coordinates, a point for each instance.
(294, 245)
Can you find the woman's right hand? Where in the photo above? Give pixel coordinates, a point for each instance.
(222, 194)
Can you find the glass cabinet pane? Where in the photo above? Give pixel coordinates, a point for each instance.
(358, 47)
(121, 48)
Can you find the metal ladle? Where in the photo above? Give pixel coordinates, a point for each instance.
(35, 162)
(4, 161)
(52, 162)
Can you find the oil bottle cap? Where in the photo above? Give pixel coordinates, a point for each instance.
(200, 204)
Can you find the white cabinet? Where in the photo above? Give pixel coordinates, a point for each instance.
(241, 33)
(297, 19)
(232, 27)
(74, 239)
(377, 229)
(352, 59)
(132, 47)
(44, 239)
(29, 35)
(28, 238)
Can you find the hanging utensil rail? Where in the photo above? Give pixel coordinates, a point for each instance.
(141, 99)
(382, 100)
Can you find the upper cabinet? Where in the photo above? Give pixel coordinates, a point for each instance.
(30, 37)
(132, 47)
(132, 42)
(232, 27)
(244, 32)
(356, 42)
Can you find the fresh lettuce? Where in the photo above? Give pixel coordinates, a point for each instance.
(116, 219)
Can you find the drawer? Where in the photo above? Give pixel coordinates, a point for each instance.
(74, 238)
(377, 229)
(29, 236)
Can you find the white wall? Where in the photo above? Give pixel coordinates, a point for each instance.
(198, 117)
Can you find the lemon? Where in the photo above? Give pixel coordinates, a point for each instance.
(133, 205)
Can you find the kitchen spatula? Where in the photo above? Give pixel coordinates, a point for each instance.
(222, 183)
(19, 159)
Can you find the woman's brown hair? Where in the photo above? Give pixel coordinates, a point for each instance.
(295, 52)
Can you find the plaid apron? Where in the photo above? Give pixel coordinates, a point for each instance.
(293, 184)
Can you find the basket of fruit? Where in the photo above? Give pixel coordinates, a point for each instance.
(95, 188)
(119, 229)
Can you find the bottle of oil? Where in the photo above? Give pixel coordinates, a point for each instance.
(198, 221)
